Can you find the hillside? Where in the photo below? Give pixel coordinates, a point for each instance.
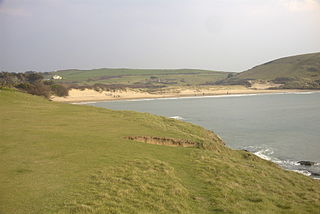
(301, 71)
(294, 72)
(138, 78)
(62, 158)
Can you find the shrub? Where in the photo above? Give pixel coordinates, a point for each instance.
(34, 77)
(232, 81)
(283, 80)
(59, 90)
(37, 88)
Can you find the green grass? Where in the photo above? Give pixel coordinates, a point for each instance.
(62, 158)
(162, 77)
(303, 69)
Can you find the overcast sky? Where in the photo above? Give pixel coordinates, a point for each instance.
(227, 35)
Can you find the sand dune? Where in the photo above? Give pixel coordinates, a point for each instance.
(77, 95)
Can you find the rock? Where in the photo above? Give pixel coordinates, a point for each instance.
(315, 174)
(306, 163)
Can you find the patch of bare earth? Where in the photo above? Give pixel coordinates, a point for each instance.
(163, 141)
(260, 85)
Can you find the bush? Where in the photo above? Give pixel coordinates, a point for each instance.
(34, 77)
(230, 75)
(232, 81)
(32, 83)
(59, 90)
(37, 88)
(6, 79)
(283, 80)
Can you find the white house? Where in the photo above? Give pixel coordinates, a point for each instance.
(57, 77)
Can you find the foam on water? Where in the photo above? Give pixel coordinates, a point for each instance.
(267, 153)
(83, 103)
(177, 118)
(302, 93)
(304, 172)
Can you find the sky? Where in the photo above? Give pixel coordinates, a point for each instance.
(224, 35)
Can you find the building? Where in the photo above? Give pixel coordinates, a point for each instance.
(56, 77)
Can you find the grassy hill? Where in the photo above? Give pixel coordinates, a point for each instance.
(138, 77)
(301, 71)
(62, 158)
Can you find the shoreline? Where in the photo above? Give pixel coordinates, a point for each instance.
(89, 95)
(286, 164)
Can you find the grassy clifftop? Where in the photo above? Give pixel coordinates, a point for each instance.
(61, 158)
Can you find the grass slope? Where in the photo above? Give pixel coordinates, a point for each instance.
(162, 77)
(301, 68)
(62, 158)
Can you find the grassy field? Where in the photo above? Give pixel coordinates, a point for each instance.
(62, 158)
(139, 77)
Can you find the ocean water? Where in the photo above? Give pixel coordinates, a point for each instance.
(283, 128)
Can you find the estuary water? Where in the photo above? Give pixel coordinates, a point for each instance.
(283, 128)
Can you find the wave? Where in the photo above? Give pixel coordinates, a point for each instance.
(177, 118)
(83, 103)
(304, 172)
(267, 153)
(306, 92)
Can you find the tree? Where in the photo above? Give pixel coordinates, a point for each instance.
(34, 77)
(6, 79)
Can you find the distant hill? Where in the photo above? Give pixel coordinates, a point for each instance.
(294, 72)
(138, 78)
(301, 71)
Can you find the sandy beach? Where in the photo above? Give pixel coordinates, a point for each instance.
(77, 95)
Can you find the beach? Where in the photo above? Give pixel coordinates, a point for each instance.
(78, 95)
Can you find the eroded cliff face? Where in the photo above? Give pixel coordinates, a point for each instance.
(163, 141)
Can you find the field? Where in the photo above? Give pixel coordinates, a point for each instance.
(139, 77)
(62, 158)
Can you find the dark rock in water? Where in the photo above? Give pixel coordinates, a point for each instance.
(306, 163)
(245, 150)
(315, 174)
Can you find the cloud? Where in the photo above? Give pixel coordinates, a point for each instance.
(301, 5)
(14, 12)
(12, 8)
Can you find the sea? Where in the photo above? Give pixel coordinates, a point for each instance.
(283, 128)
